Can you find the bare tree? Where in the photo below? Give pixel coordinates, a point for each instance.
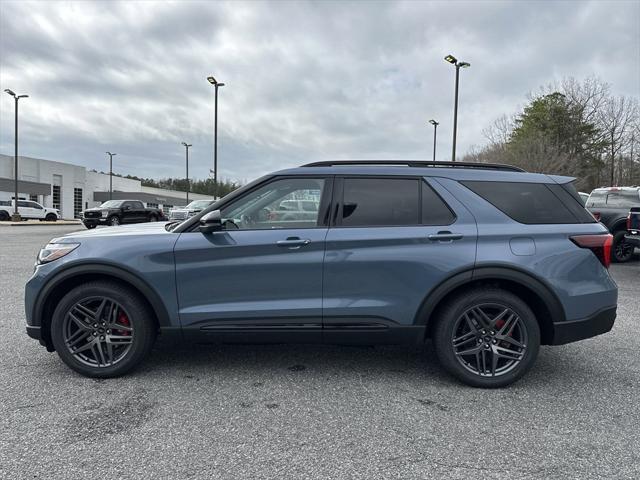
(617, 118)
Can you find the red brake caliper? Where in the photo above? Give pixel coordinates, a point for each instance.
(124, 320)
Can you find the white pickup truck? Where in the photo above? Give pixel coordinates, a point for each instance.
(28, 210)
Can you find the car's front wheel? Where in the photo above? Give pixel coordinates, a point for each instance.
(486, 337)
(114, 221)
(51, 217)
(102, 329)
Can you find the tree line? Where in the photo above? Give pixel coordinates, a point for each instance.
(574, 128)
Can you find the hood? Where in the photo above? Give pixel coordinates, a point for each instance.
(150, 228)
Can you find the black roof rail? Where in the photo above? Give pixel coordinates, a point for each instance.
(419, 164)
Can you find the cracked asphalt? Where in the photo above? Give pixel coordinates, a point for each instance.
(313, 411)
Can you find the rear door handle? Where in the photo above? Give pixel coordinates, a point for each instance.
(445, 236)
(293, 243)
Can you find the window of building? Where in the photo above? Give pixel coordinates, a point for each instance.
(380, 202)
(532, 203)
(33, 198)
(152, 205)
(77, 202)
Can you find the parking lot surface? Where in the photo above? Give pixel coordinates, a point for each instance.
(285, 411)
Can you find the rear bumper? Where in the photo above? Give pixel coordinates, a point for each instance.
(633, 240)
(572, 331)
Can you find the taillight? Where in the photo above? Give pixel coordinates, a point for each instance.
(596, 215)
(600, 245)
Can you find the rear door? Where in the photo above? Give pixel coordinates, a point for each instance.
(393, 240)
(26, 210)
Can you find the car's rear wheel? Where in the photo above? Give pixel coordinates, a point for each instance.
(4, 216)
(114, 221)
(621, 250)
(153, 218)
(486, 337)
(102, 329)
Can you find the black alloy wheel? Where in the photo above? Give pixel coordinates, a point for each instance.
(102, 329)
(621, 251)
(114, 221)
(486, 337)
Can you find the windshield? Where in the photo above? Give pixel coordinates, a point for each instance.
(199, 204)
(111, 204)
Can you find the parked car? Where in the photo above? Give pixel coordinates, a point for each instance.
(486, 261)
(116, 212)
(610, 205)
(633, 227)
(584, 197)
(28, 210)
(182, 213)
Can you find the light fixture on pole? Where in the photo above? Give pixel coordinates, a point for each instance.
(435, 132)
(458, 64)
(186, 148)
(16, 215)
(216, 84)
(111, 155)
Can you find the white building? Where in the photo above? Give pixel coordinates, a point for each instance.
(72, 188)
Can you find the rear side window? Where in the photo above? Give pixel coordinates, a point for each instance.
(532, 203)
(597, 199)
(380, 202)
(621, 198)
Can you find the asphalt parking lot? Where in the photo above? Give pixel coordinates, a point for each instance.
(313, 412)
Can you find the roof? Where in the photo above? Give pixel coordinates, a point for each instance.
(461, 171)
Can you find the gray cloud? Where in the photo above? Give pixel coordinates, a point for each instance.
(304, 80)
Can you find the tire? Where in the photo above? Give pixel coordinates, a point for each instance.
(50, 217)
(4, 216)
(90, 225)
(459, 315)
(114, 221)
(621, 251)
(153, 218)
(125, 356)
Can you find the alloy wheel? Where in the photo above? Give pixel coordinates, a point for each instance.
(623, 250)
(115, 221)
(489, 340)
(98, 332)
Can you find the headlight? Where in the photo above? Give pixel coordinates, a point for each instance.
(54, 251)
(104, 213)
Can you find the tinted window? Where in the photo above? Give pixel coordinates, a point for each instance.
(530, 203)
(136, 204)
(378, 201)
(597, 199)
(434, 210)
(23, 204)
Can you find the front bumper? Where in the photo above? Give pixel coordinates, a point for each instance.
(574, 330)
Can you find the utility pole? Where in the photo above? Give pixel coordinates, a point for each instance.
(186, 147)
(111, 155)
(435, 132)
(16, 215)
(217, 85)
(454, 61)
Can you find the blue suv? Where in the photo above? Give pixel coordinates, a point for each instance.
(486, 261)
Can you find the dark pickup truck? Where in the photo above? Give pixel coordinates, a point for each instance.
(116, 212)
(633, 227)
(611, 206)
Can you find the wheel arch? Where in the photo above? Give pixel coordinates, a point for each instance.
(539, 297)
(64, 281)
(619, 225)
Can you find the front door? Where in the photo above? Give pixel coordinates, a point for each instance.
(394, 240)
(260, 278)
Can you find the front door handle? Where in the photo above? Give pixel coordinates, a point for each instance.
(293, 243)
(445, 236)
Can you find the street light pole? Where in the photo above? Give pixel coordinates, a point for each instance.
(216, 84)
(16, 215)
(111, 155)
(435, 132)
(186, 147)
(454, 61)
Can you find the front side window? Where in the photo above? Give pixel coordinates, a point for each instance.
(277, 204)
(369, 202)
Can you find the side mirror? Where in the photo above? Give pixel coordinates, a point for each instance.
(211, 222)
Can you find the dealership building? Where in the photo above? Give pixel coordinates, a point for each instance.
(73, 188)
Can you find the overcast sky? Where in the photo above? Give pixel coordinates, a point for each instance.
(304, 80)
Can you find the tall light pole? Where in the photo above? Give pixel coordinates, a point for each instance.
(16, 215)
(454, 61)
(111, 155)
(435, 132)
(186, 148)
(216, 84)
